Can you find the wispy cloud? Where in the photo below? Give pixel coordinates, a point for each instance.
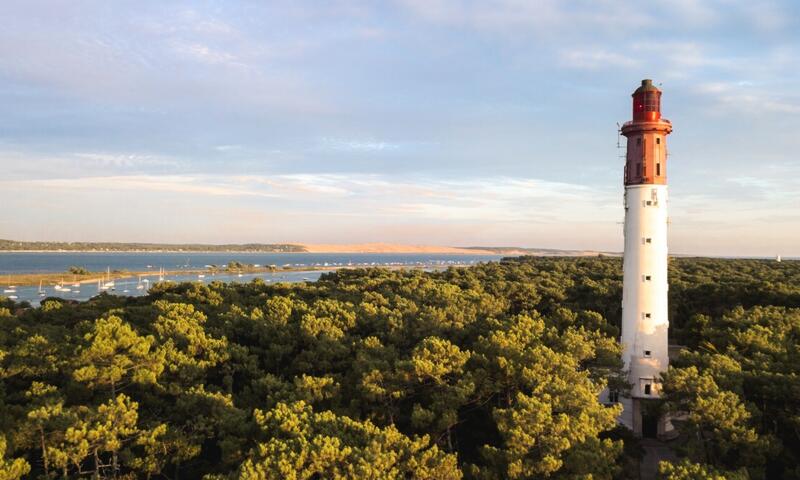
(596, 58)
(205, 54)
(748, 98)
(357, 145)
(593, 16)
(542, 16)
(126, 161)
(142, 184)
(495, 199)
(22, 164)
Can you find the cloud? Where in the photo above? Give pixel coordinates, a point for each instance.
(595, 59)
(357, 145)
(169, 57)
(201, 102)
(124, 161)
(227, 148)
(544, 16)
(205, 54)
(479, 199)
(357, 207)
(744, 96)
(608, 16)
(141, 184)
(22, 164)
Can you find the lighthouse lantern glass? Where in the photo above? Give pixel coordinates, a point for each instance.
(647, 105)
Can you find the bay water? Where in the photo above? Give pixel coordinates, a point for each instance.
(303, 268)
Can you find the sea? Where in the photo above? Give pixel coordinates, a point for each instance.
(304, 267)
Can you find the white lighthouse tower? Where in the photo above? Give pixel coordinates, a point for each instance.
(644, 291)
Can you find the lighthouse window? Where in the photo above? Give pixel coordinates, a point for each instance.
(658, 141)
(648, 240)
(647, 278)
(651, 102)
(658, 169)
(647, 389)
(638, 169)
(639, 141)
(646, 315)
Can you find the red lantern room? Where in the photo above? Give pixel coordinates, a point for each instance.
(647, 102)
(646, 159)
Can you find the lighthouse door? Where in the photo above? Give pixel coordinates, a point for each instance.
(649, 426)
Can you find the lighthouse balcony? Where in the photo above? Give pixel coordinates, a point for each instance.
(660, 125)
(631, 122)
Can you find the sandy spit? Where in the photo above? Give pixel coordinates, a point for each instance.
(389, 248)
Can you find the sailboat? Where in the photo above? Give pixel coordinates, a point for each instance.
(61, 288)
(139, 285)
(10, 288)
(109, 283)
(161, 274)
(41, 290)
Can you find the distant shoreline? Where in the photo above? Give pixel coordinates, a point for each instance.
(437, 252)
(13, 246)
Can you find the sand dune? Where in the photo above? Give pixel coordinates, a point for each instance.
(388, 248)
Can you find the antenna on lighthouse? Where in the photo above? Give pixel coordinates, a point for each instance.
(619, 145)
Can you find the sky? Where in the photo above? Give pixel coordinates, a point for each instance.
(437, 122)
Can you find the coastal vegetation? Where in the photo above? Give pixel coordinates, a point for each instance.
(14, 245)
(486, 372)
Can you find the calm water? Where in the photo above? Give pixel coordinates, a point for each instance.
(12, 263)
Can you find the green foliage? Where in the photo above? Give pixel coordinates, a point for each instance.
(116, 353)
(11, 469)
(302, 444)
(485, 372)
(187, 349)
(719, 424)
(551, 403)
(687, 471)
(14, 245)
(738, 391)
(75, 270)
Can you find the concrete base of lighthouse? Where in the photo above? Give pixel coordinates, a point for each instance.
(642, 417)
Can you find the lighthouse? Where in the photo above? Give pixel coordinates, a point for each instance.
(644, 290)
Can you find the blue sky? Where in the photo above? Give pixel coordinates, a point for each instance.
(414, 121)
